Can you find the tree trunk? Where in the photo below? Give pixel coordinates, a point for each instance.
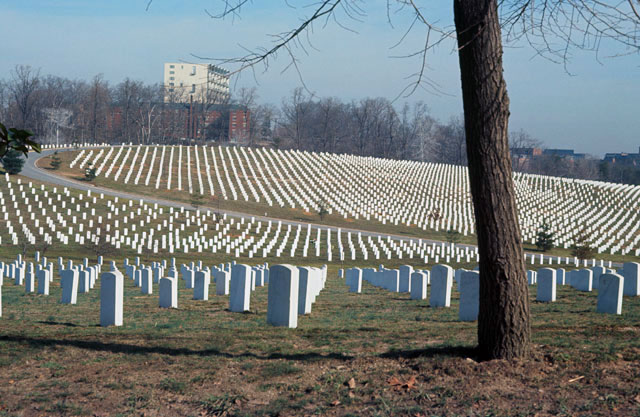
(503, 321)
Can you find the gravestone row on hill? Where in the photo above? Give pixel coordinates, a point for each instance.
(409, 193)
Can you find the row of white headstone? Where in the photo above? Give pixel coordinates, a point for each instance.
(430, 196)
(119, 228)
(291, 290)
(611, 285)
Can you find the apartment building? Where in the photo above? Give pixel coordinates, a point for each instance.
(201, 83)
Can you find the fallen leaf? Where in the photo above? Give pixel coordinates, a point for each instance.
(351, 383)
(394, 382)
(335, 403)
(411, 383)
(351, 394)
(399, 385)
(637, 398)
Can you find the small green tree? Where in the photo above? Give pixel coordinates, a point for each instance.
(545, 237)
(13, 162)
(322, 210)
(453, 236)
(55, 161)
(581, 248)
(90, 173)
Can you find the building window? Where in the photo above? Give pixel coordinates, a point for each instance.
(172, 78)
(172, 66)
(172, 72)
(171, 90)
(193, 88)
(193, 70)
(171, 84)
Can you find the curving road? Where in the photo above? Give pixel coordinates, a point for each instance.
(30, 170)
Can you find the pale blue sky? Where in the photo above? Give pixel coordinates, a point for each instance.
(596, 110)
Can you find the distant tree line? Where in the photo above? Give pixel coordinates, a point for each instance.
(82, 111)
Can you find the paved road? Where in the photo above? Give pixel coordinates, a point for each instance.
(30, 170)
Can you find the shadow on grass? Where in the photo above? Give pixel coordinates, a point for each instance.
(58, 323)
(429, 352)
(164, 350)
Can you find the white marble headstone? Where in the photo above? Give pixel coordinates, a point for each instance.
(282, 304)
(111, 298)
(610, 294)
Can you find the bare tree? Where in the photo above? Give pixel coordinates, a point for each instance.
(449, 142)
(127, 96)
(325, 124)
(97, 102)
(296, 112)
(247, 99)
(24, 87)
(367, 116)
(148, 111)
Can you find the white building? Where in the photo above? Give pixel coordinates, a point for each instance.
(203, 83)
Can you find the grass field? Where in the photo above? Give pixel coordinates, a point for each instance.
(404, 357)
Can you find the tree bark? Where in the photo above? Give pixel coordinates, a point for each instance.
(503, 321)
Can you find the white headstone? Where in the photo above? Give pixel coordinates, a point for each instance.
(201, 286)
(188, 277)
(146, 281)
(354, 280)
(240, 288)
(69, 284)
(43, 281)
(168, 292)
(441, 282)
(222, 279)
(610, 294)
(582, 280)
(405, 272)
(84, 283)
(19, 273)
(282, 304)
(631, 274)
(418, 285)
(111, 298)
(305, 289)
(391, 280)
(469, 295)
(546, 285)
(597, 271)
(30, 281)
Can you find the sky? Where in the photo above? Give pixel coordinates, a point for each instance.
(592, 106)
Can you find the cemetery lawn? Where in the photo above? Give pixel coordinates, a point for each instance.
(375, 353)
